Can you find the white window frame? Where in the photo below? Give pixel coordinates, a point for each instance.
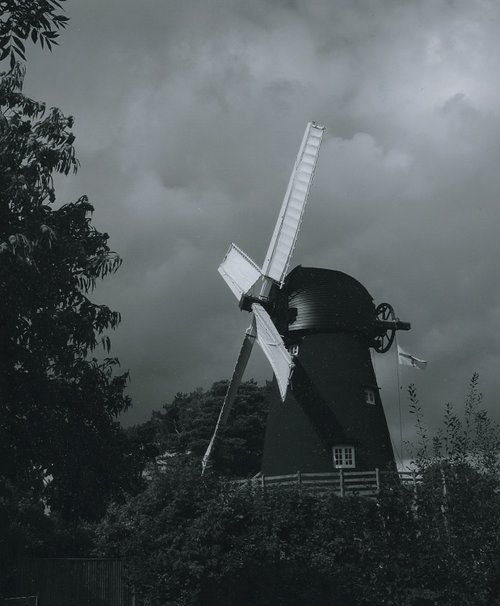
(344, 456)
(370, 396)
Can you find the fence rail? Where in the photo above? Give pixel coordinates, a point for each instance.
(342, 482)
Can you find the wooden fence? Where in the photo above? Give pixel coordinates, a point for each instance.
(342, 482)
(70, 582)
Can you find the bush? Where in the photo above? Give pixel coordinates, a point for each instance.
(193, 541)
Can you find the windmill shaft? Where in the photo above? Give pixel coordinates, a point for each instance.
(388, 325)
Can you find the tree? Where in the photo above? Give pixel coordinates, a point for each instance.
(53, 397)
(58, 405)
(36, 19)
(185, 425)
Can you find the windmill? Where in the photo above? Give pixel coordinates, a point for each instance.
(315, 327)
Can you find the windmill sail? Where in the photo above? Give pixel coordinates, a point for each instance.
(285, 233)
(239, 271)
(239, 369)
(272, 345)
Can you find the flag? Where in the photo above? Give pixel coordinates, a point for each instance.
(406, 359)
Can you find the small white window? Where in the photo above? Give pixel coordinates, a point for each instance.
(294, 350)
(343, 457)
(370, 396)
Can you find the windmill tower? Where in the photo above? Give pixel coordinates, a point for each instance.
(316, 328)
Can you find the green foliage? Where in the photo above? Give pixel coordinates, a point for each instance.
(25, 528)
(468, 440)
(189, 540)
(23, 524)
(193, 541)
(186, 424)
(63, 456)
(459, 499)
(20, 20)
(57, 406)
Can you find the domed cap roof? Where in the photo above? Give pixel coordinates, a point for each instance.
(325, 300)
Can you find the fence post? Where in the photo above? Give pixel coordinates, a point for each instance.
(341, 478)
(263, 483)
(414, 483)
(299, 478)
(377, 478)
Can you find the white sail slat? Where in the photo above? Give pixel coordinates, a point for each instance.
(285, 233)
(239, 271)
(232, 390)
(273, 347)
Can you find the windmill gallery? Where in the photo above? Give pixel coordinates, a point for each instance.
(316, 328)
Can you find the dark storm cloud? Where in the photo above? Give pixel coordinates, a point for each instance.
(188, 119)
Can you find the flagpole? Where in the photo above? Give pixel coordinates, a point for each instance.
(399, 401)
(373, 358)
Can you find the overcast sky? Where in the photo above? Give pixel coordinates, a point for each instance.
(188, 120)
